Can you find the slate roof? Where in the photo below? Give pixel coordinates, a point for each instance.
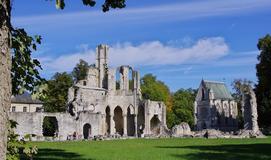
(219, 88)
(25, 99)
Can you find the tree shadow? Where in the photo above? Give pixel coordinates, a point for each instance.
(56, 154)
(225, 152)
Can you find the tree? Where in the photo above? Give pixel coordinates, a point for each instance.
(155, 90)
(5, 72)
(80, 70)
(263, 88)
(183, 106)
(172, 119)
(56, 94)
(5, 59)
(17, 148)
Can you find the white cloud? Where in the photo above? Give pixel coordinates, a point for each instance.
(157, 53)
(144, 54)
(65, 62)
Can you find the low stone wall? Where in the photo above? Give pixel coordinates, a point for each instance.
(31, 123)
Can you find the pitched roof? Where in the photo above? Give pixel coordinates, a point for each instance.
(25, 98)
(219, 88)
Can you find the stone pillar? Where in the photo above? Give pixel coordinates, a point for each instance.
(165, 114)
(147, 123)
(125, 125)
(135, 120)
(121, 80)
(125, 76)
(196, 114)
(249, 105)
(103, 127)
(138, 81)
(134, 73)
(111, 79)
(112, 125)
(101, 62)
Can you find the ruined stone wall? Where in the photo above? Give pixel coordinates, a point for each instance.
(154, 109)
(31, 123)
(249, 107)
(94, 99)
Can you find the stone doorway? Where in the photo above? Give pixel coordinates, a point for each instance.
(130, 123)
(87, 131)
(141, 120)
(118, 119)
(107, 120)
(50, 126)
(155, 125)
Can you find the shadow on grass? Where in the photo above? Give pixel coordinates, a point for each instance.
(225, 152)
(57, 154)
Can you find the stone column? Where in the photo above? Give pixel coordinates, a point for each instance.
(135, 120)
(125, 125)
(112, 125)
(147, 123)
(103, 128)
(164, 113)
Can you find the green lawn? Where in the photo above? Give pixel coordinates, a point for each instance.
(157, 149)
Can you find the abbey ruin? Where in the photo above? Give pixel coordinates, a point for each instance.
(107, 103)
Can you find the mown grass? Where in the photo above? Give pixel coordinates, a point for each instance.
(157, 149)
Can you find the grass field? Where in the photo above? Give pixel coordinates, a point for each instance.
(157, 149)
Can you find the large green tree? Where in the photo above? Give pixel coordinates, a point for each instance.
(183, 106)
(263, 88)
(155, 90)
(6, 40)
(80, 70)
(56, 94)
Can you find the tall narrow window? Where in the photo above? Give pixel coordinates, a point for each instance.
(13, 109)
(24, 109)
(203, 94)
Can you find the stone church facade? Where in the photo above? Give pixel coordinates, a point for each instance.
(107, 103)
(214, 107)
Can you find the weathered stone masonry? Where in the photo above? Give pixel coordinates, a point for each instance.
(215, 108)
(107, 102)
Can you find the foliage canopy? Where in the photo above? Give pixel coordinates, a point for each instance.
(263, 88)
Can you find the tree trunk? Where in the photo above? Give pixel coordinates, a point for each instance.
(5, 73)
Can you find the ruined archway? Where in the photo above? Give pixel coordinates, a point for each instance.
(87, 131)
(50, 126)
(107, 120)
(141, 120)
(130, 122)
(118, 119)
(155, 125)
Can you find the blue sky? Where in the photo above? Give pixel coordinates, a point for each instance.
(181, 42)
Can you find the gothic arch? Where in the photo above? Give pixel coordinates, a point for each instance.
(130, 122)
(118, 119)
(131, 108)
(107, 120)
(87, 131)
(50, 126)
(141, 119)
(155, 125)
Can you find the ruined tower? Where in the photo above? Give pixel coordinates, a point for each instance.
(249, 108)
(101, 64)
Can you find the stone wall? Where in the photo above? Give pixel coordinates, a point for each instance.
(31, 123)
